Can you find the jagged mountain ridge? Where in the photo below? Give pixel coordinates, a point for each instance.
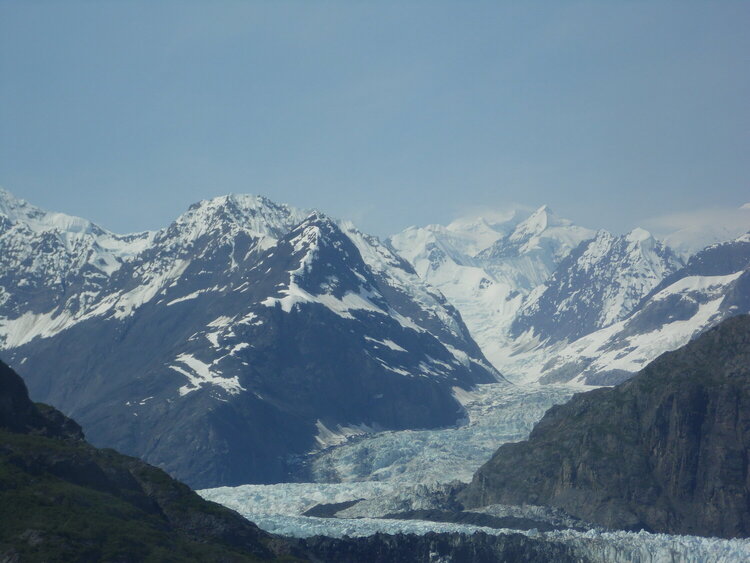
(57, 256)
(599, 283)
(52, 260)
(211, 352)
(584, 321)
(713, 286)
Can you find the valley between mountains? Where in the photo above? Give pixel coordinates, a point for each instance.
(322, 381)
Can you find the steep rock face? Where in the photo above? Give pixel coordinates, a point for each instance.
(666, 451)
(61, 499)
(597, 284)
(243, 335)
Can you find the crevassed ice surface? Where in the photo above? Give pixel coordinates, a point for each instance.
(497, 413)
(378, 466)
(594, 545)
(257, 502)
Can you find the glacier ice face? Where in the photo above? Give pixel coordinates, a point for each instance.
(398, 468)
(277, 509)
(643, 547)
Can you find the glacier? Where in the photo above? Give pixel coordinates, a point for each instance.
(277, 509)
(494, 414)
(410, 470)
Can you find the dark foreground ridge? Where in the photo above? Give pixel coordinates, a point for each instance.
(63, 500)
(666, 451)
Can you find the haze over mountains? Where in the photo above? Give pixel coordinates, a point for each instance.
(247, 333)
(244, 333)
(548, 301)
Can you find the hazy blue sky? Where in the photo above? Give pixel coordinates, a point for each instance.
(388, 113)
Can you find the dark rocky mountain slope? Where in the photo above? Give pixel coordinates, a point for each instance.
(667, 451)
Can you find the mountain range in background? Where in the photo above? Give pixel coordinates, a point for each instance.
(548, 301)
(247, 334)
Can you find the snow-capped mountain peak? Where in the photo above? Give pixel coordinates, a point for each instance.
(537, 223)
(471, 235)
(19, 211)
(489, 286)
(712, 286)
(543, 234)
(257, 216)
(234, 336)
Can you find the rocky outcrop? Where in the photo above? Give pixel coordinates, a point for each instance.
(666, 451)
